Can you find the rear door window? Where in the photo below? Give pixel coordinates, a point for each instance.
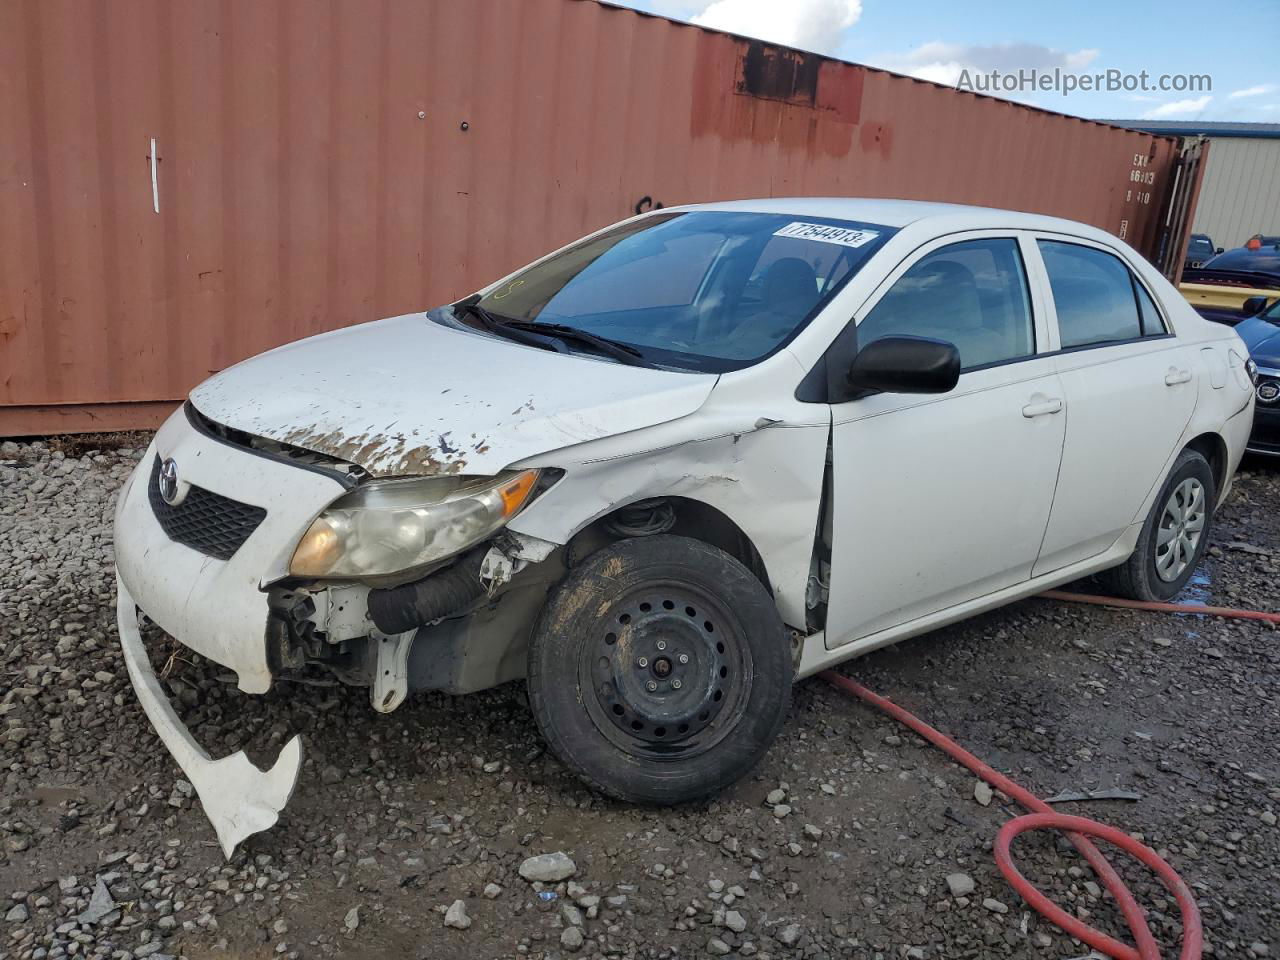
(1095, 295)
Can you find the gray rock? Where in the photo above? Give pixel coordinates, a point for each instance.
(456, 916)
(775, 797)
(492, 891)
(789, 935)
(17, 914)
(100, 904)
(548, 868)
(717, 947)
(352, 920)
(995, 906)
(572, 939)
(735, 921)
(960, 884)
(982, 793)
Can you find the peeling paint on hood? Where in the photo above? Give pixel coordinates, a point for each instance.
(407, 396)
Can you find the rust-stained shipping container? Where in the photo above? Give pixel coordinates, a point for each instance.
(184, 184)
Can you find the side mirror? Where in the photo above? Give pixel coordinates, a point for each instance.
(1254, 305)
(905, 365)
(1217, 250)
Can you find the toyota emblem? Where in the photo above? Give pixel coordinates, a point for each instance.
(169, 481)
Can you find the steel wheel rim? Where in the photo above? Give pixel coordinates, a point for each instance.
(639, 692)
(1180, 529)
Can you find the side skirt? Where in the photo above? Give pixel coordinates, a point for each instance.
(816, 656)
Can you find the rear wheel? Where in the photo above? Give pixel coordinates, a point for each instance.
(1174, 537)
(660, 670)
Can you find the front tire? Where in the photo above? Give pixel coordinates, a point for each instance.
(1174, 537)
(660, 670)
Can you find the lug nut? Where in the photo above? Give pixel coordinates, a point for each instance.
(651, 685)
(675, 684)
(642, 662)
(683, 658)
(662, 644)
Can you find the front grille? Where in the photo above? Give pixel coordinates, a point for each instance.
(215, 525)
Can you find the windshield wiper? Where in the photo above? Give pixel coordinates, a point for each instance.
(504, 328)
(622, 352)
(552, 335)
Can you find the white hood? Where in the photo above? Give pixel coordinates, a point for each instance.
(410, 396)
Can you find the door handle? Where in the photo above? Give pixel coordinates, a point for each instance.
(1043, 407)
(1176, 376)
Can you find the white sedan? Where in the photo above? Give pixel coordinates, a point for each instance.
(663, 472)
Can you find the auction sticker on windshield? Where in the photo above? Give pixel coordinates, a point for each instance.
(845, 236)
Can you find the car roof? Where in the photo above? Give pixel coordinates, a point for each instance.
(945, 217)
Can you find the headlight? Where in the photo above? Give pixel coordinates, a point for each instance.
(1251, 369)
(391, 526)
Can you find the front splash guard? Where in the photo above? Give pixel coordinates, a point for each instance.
(239, 799)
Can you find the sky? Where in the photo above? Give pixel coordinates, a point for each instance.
(1237, 45)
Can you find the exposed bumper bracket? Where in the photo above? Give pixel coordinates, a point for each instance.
(391, 677)
(239, 799)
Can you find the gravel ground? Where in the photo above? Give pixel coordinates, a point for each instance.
(407, 833)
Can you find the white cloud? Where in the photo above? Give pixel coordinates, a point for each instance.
(945, 62)
(1258, 91)
(808, 24)
(1186, 109)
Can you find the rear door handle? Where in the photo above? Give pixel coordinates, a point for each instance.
(1043, 407)
(1176, 376)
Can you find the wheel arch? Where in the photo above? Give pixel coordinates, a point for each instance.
(1213, 448)
(694, 518)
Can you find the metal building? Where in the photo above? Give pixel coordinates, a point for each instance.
(1240, 193)
(186, 184)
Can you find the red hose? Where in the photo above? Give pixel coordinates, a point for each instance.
(1078, 830)
(1229, 612)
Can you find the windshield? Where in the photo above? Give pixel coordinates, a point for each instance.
(706, 290)
(1200, 247)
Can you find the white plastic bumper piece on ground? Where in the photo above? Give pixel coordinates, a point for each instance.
(238, 798)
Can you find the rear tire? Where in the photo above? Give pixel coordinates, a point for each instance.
(660, 670)
(1174, 537)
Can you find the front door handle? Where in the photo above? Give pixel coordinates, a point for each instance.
(1176, 376)
(1042, 406)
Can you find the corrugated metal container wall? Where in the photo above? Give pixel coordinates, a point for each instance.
(1240, 195)
(324, 163)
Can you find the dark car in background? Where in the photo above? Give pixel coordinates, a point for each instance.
(1220, 287)
(1199, 249)
(1261, 334)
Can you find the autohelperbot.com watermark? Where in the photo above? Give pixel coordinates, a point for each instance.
(1066, 82)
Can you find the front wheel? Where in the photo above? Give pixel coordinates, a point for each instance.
(660, 671)
(1174, 537)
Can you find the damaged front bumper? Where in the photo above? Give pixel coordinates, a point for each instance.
(238, 798)
(215, 605)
